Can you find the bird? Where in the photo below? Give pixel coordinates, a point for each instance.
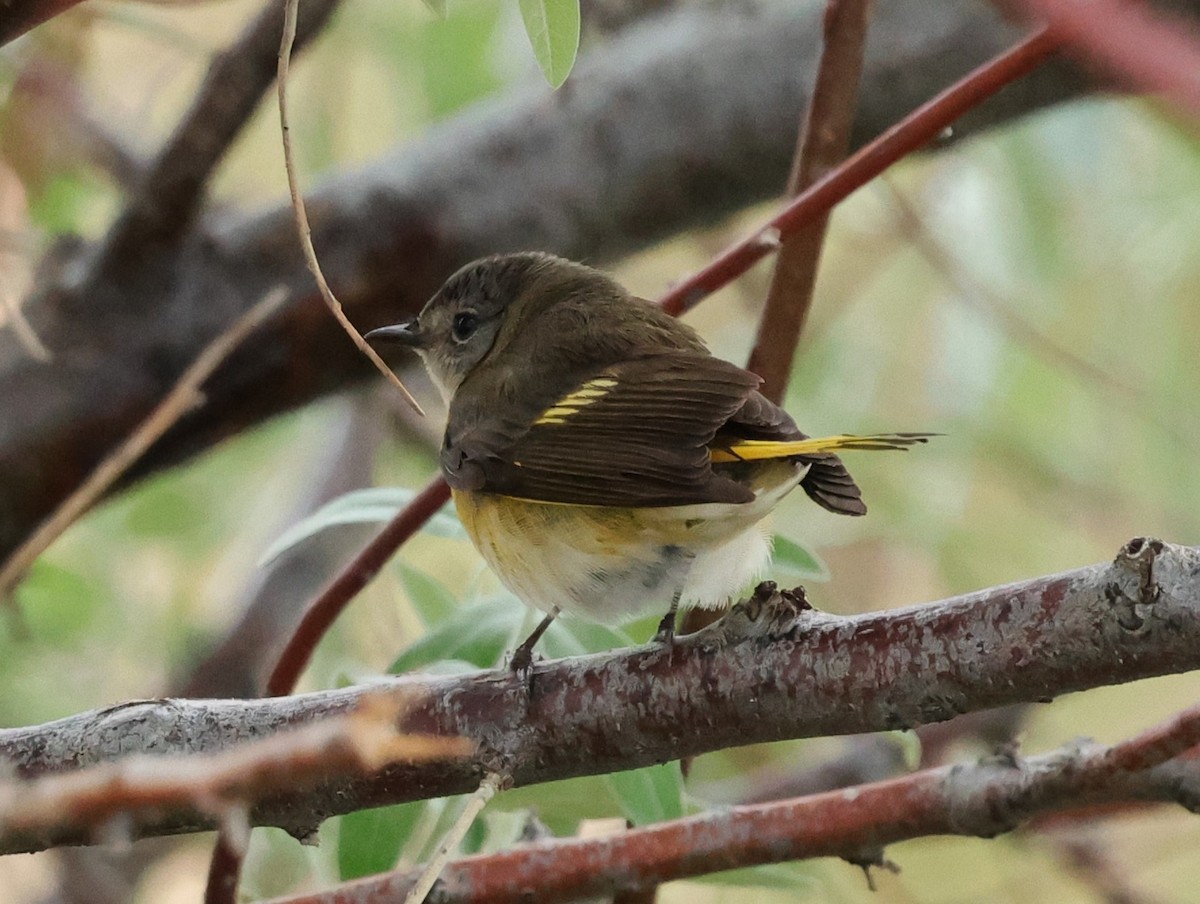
(600, 458)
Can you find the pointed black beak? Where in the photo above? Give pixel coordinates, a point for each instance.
(398, 334)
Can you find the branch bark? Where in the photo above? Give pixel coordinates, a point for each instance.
(676, 123)
(982, 799)
(768, 671)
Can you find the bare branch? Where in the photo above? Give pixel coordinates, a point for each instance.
(766, 672)
(361, 741)
(982, 799)
(22, 15)
(165, 202)
(822, 143)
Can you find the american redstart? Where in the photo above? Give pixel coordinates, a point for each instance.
(601, 459)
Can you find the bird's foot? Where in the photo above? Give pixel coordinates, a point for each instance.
(665, 634)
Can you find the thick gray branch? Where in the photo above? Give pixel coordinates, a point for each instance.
(672, 125)
(767, 672)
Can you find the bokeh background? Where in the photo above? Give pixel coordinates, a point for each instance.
(1030, 292)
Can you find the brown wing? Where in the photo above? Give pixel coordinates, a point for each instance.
(634, 434)
(827, 482)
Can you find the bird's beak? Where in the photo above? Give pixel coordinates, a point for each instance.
(398, 334)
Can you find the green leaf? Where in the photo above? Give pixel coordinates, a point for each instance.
(569, 636)
(649, 795)
(437, 7)
(430, 597)
(454, 70)
(478, 634)
(57, 604)
(909, 743)
(795, 562)
(796, 878)
(553, 29)
(375, 505)
(370, 841)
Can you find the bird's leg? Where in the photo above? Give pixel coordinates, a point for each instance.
(666, 628)
(522, 657)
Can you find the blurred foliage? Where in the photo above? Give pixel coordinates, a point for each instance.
(1042, 315)
(553, 30)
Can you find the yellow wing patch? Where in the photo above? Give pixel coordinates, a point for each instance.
(760, 450)
(587, 394)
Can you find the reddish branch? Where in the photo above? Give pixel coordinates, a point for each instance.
(910, 134)
(823, 141)
(982, 799)
(1147, 49)
(766, 672)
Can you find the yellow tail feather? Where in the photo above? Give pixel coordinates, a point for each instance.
(761, 450)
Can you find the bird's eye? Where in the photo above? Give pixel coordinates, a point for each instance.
(465, 325)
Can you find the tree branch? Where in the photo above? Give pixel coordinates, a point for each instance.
(674, 124)
(823, 139)
(982, 799)
(21, 15)
(165, 202)
(768, 671)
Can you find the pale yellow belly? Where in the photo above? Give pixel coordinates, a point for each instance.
(613, 564)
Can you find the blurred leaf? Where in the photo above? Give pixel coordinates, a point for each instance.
(166, 509)
(375, 505)
(909, 743)
(58, 605)
(478, 634)
(437, 7)
(553, 29)
(796, 561)
(63, 201)
(649, 795)
(570, 636)
(455, 70)
(369, 841)
(430, 597)
(795, 877)
(502, 829)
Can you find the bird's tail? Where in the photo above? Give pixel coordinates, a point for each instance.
(762, 450)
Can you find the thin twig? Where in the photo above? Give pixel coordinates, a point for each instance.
(14, 317)
(823, 140)
(914, 131)
(290, 12)
(474, 804)
(183, 397)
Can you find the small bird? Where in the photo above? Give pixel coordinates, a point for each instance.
(602, 461)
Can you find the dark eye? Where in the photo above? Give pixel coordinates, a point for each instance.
(465, 325)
